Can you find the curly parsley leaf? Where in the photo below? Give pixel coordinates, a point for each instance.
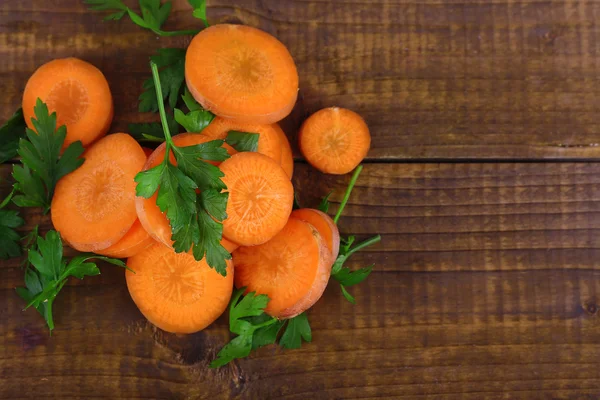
(9, 238)
(152, 131)
(42, 162)
(199, 10)
(50, 271)
(10, 133)
(243, 141)
(171, 64)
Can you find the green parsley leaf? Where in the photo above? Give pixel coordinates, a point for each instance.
(30, 244)
(297, 329)
(42, 162)
(10, 133)
(9, 238)
(51, 271)
(171, 63)
(190, 101)
(152, 131)
(194, 121)
(267, 334)
(243, 141)
(199, 10)
(324, 205)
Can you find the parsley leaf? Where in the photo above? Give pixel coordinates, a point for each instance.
(43, 164)
(297, 329)
(195, 121)
(152, 131)
(9, 238)
(195, 220)
(324, 206)
(190, 101)
(172, 75)
(153, 14)
(199, 10)
(10, 133)
(50, 272)
(242, 141)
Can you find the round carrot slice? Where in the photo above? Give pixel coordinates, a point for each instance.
(269, 143)
(260, 198)
(292, 268)
(175, 292)
(322, 223)
(154, 221)
(94, 206)
(287, 158)
(335, 140)
(242, 73)
(134, 241)
(79, 94)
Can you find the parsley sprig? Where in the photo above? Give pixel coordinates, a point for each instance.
(10, 133)
(50, 272)
(195, 219)
(10, 220)
(255, 329)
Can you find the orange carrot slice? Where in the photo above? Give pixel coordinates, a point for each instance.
(147, 151)
(134, 241)
(242, 73)
(335, 140)
(287, 158)
(175, 292)
(94, 206)
(324, 225)
(260, 198)
(292, 268)
(79, 94)
(269, 143)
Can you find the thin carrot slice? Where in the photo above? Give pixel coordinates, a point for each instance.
(175, 292)
(335, 140)
(269, 143)
(260, 198)
(79, 94)
(94, 206)
(322, 223)
(292, 268)
(135, 240)
(154, 221)
(242, 73)
(287, 158)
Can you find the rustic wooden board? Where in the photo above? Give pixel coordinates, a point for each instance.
(486, 287)
(434, 79)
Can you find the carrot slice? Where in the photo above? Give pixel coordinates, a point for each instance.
(79, 94)
(260, 198)
(154, 221)
(242, 73)
(293, 269)
(147, 151)
(135, 240)
(335, 140)
(175, 292)
(269, 143)
(94, 206)
(322, 223)
(287, 158)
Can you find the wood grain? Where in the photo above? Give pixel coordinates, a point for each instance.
(501, 79)
(486, 286)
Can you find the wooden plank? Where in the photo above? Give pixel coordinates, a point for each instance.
(501, 79)
(486, 286)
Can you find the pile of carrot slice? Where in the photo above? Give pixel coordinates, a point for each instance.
(248, 79)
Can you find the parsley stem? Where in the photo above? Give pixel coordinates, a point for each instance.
(176, 33)
(161, 108)
(362, 245)
(266, 323)
(348, 192)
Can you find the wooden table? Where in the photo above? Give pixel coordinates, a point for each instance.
(482, 180)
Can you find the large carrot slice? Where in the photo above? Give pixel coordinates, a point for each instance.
(94, 206)
(79, 94)
(154, 221)
(287, 158)
(134, 241)
(175, 292)
(335, 140)
(269, 143)
(242, 73)
(324, 225)
(292, 268)
(260, 198)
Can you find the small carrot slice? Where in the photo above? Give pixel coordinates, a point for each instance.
(287, 158)
(154, 221)
(135, 240)
(322, 223)
(175, 292)
(260, 198)
(241, 73)
(335, 140)
(79, 94)
(269, 143)
(94, 206)
(292, 268)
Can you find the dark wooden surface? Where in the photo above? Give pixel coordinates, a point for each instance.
(486, 283)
